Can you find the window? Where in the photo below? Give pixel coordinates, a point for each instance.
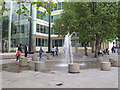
(53, 43)
(60, 42)
(56, 43)
(42, 42)
(18, 29)
(37, 27)
(59, 6)
(22, 28)
(46, 42)
(51, 19)
(47, 29)
(36, 42)
(39, 42)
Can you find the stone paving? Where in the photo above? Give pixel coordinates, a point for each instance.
(87, 78)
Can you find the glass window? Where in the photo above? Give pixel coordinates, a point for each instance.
(18, 29)
(55, 8)
(37, 27)
(59, 6)
(42, 42)
(53, 43)
(22, 28)
(41, 28)
(60, 42)
(39, 42)
(47, 29)
(56, 43)
(51, 19)
(46, 42)
(36, 42)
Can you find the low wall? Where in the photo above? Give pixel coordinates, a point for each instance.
(61, 49)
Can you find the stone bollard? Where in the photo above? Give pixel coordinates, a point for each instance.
(118, 51)
(34, 58)
(23, 62)
(73, 68)
(49, 57)
(105, 66)
(31, 65)
(99, 59)
(116, 63)
(40, 66)
(111, 59)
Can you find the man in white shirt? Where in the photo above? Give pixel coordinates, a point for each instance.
(53, 50)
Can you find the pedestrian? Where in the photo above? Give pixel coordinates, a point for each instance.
(107, 51)
(53, 50)
(100, 52)
(26, 49)
(19, 52)
(56, 50)
(40, 52)
(112, 49)
(16, 52)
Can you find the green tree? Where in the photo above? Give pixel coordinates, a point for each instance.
(94, 21)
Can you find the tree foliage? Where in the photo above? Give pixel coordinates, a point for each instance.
(95, 21)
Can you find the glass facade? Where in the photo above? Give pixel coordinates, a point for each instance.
(41, 42)
(58, 42)
(43, 29)
(20, 26)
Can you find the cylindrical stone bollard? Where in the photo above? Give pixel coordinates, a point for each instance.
(105, 66)
(116, 63)
(31, 65)
(100, 59)
(118, 51)
(49, 57)
(111, 59)
(34, 58)
(73, 68)
(23, 62)
(40, 66)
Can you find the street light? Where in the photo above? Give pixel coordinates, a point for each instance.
(49, 35)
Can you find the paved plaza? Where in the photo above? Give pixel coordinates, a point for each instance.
(87, 78)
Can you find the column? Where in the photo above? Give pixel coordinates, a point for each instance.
(9, 29)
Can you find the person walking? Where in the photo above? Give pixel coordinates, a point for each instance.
(56, 50)
(26, 49)
(112, 49)
(40, 52)
(53, 50)
(19, 52)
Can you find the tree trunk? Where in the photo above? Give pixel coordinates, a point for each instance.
(85, 46)
(96, 46)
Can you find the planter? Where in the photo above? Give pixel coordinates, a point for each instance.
(111, 60)
(34, 58)
(49, 57)
(40, 66)
(105, 66)
(23, 62)
(73, 68)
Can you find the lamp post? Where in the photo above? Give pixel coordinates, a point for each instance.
(30, 38)
(49, 35)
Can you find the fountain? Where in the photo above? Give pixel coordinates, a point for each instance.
(67, 49)
(68, 55)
